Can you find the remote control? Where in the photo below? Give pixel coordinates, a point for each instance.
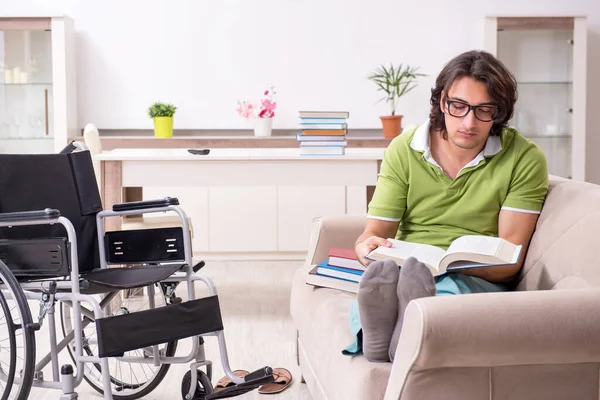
(201, 152)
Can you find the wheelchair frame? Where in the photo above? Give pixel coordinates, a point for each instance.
(48, 292)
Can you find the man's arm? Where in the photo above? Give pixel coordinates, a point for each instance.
(388, 204)
(516, 227)
(380, 228)
(520, 209)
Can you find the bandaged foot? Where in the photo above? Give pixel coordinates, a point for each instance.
(378, 308)
(415, 281)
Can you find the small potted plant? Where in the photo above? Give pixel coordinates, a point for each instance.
(395, 82)
(162, 114)
(263, 113)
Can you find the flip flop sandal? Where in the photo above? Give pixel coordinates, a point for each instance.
(225, 382)
(283, 379)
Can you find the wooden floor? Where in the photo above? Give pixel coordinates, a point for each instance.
(254, 299)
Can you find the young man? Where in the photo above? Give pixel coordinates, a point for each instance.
(462, 172)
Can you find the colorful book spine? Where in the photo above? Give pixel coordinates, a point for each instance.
(323, 133)
(347, 274)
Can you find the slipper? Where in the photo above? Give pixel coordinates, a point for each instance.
(283, 379)
(225, 382)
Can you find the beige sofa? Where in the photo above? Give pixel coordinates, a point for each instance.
(540, 342)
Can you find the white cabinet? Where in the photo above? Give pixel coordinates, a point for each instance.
(242, 219)
(298, 206)
(266, 219)
(194, 201)
(547, 55)
(38, 105)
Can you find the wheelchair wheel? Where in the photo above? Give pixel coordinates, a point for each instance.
(12, 345)
(129, 380)
(203, 386)
(17, 339)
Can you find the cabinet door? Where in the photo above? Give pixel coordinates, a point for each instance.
(547, 55)
(194, 201)
(243, 219)
(27, 89)
(297, 207)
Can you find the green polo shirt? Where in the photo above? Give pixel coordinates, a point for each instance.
(510, 173)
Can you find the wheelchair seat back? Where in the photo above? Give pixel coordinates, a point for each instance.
(65, 182)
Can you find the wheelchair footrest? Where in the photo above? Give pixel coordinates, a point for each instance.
(252, 381)
(121, 333)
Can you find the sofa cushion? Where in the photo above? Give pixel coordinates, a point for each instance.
(565, 251)
(321, 317)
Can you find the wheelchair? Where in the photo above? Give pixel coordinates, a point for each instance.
(119, 307)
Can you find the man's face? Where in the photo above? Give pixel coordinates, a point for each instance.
(467, 129)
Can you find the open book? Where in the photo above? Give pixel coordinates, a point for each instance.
(465, 252)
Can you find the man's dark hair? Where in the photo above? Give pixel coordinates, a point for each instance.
(483, 67)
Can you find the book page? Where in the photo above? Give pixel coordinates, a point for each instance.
(479, 251)
(486, 245)
(402, 250)
(462, 264)
(509, 252)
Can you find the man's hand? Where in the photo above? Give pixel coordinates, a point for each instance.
(373, 236)
(370, 243)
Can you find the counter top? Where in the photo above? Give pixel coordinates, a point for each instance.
(225, 141)
(233, 154)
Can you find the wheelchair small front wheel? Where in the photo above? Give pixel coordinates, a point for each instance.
(203, 386)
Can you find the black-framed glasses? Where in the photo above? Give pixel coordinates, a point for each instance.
(484, 112)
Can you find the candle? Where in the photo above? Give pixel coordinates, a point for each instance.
(23, 77)
(8, 76)
(16, 75)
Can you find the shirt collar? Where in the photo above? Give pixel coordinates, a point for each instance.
(420, 142)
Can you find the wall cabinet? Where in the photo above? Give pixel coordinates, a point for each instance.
(547, 55)
(38, 107)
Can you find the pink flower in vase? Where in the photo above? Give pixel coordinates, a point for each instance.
(266, 108)
(245, 109)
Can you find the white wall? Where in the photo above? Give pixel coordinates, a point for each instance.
(203, 56)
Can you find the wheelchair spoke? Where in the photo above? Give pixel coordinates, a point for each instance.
(142, 365)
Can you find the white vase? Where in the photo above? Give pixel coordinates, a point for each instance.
(263, 127)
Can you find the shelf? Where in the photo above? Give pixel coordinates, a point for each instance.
(3, 139)
(27, 84)
(545, 83)
(565, 136)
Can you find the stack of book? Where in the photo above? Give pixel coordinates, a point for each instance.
(341, 270)
(323, 133)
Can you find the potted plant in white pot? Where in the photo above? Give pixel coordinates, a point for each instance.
(395, 82)
(162, 114)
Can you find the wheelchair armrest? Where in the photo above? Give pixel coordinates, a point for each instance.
(47, 213)
(145, 204)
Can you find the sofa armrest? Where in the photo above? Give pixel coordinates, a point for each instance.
(333, 231)
(497, 329)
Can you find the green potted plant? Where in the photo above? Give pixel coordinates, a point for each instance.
(162, 114)
(395, 82)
